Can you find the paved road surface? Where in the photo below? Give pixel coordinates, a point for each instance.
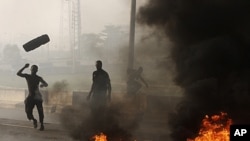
(19, 114)
(14, 126)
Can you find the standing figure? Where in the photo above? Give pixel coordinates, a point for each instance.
(100, 89)
(34, 97)
(134, 81)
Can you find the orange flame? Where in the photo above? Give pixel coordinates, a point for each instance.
(101, 137)
(215, 128)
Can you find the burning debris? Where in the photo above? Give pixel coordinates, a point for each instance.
(214, 128)
(101, 137)
(211, 52)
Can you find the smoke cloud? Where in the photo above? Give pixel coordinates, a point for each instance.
(116, 121)
(211, 52)
(151, 51)
(59, 94)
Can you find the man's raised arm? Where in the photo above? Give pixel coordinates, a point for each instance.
(20, 72)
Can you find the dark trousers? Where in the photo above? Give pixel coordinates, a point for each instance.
(99, 101)
(30, 103)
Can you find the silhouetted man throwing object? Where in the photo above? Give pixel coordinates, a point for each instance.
(34, 97)
(100, 89)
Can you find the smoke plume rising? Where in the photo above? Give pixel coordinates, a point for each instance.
(116, 121)
(59, 93)
(211, 54)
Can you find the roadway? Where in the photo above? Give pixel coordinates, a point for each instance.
(15, 126)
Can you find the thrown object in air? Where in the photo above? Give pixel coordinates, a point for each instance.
(35, 43)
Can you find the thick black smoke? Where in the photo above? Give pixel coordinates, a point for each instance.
(116, 121)
(212, 56)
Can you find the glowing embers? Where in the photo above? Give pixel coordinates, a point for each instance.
(100, 137)
(214, 128)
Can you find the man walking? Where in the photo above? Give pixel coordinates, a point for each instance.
(34, 97)
(101, 88)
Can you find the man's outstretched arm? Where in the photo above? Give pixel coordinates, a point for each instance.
(91, 91)
(92, 88)
(20, 72)
(109, 91)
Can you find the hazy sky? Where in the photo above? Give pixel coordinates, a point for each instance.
(22, 20)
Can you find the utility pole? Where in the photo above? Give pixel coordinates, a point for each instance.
(131, 45)
(132, 35)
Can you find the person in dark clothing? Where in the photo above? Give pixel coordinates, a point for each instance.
(34, 97)
(134, 81)
(101, 87)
